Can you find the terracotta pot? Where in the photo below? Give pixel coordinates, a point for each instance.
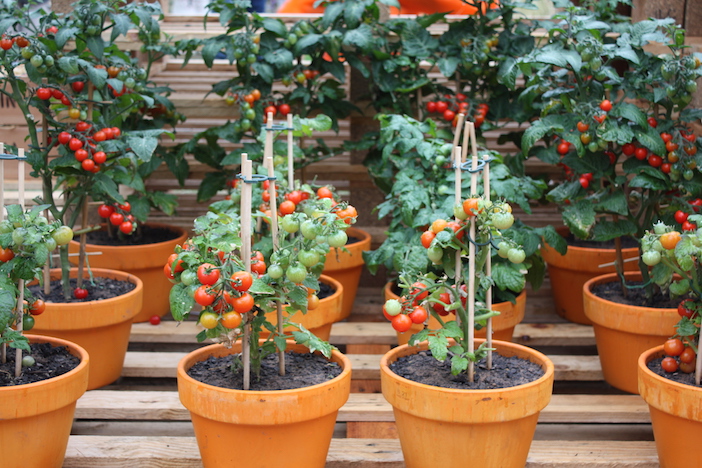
(346, 267)
(262, 428)
(502, 325)
(623, 332)
(101, 327)
(676, 414)
(146, 262)
(320, 320)
(36, 418)
(569, 272)
(451, 428)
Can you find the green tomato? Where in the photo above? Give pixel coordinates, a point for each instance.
(660, 228)
(27, 53)
(502, 220)
(459, 212)
(251, 58)
(516, 255)
(27, 322)
(188, 277)
(503, 249)
(63, 235)
(129, 83)
(651, 257)
(49, 61)
(290, 224)
(275, 271)
(308, 258)
(296, 273)
(37, 61)
(18, 236)
(435, 253)
(393, 307)
(250, 114)
(28, 361)
(309, 229)
(51, 244)
(337, 239)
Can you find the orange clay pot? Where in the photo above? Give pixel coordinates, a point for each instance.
(36, 419)
(146, 262)
(456, 428)
(623, 332)
(346, 267)
(252, 429)
(502, 325)
(320, 320)
(569, 272)
(101, 327)
(676, 414)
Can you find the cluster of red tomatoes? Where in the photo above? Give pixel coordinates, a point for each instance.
(668, 162)
(449, 108)
(681, 217)
(678, 355)
(6, 43)
(84, 144)
(118, 215)
(407, 311)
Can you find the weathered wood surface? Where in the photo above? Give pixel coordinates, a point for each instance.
(182, 452)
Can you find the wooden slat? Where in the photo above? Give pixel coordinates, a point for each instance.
(182, 452)
(365, 366)
(378, 333)
(361, 407)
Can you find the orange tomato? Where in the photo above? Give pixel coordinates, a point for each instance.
(670, 239)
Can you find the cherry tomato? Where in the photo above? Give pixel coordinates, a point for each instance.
(104, 211)
(563, 147)
(418, 315)
(628, 149)
(686, 308)
(401, 323)
(100, 157)
(655, 160)
(641, 153)
(243, 303)
(284, 109)
(669, 364)
(652, 122)
(418, 291)
(687, 226)
(80, 293)
(431, 105)
(688, 356)
(116, 219)
(324, 192)
(81, 155)
(670, 239)
(231, 319)
(287, 207)
(88, 165)
(64, 138)
(127, 227)
(154, 320)
(208, 274)
(208, 319)
(673, 347)
(441, 106)
(241, 281)
(78, 86)
(606, 105)
(37, 307)
(75, 144)
(44, 94)
(204, 296)
(426, 238)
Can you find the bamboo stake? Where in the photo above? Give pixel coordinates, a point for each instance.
(276, 245)
(20, 284)
(470, 329)
(47, 265)
(488, 262)
(83, 242)
(19, 327)
(291, 169)
(246, 173)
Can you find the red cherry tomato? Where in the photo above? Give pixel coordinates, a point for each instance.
(154, 320)
(80, 293)
(401, 323)
(208, 274)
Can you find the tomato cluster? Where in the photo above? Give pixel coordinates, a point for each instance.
(679, 356)
(83, 141)
(449, 107)
(674, 162)
(118, 214)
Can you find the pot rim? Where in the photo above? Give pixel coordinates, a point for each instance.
(609, 278)
(547, 366)
(337, 357)
(181, 233)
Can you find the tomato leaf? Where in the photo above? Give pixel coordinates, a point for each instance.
(181, 301)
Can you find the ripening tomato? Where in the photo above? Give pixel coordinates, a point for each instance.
(287, 207)
(606, 105)
(686, 308)
(208, 319)
(37, 307)
(324, 192)
(670, 239)
(418, 291)
(231, 319)
(688, 356)
(427, 238)
(470, 206)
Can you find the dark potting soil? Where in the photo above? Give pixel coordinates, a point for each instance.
(679, 376)
(352, 240)
(325, 290)
(99, 289)
(145, 235)
(636, 296)
(506, 372)
(301, 370)
(51, 361)
(627, 243)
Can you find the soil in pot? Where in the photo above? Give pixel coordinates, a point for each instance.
(51, 361)
(301, 370)
(98, 289)
(677, 376)
(635, 296)
(506, 372)
(145, 235)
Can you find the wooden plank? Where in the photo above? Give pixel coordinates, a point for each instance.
(365, 366)
(182, 452)
(378, 333)
(360, 407)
